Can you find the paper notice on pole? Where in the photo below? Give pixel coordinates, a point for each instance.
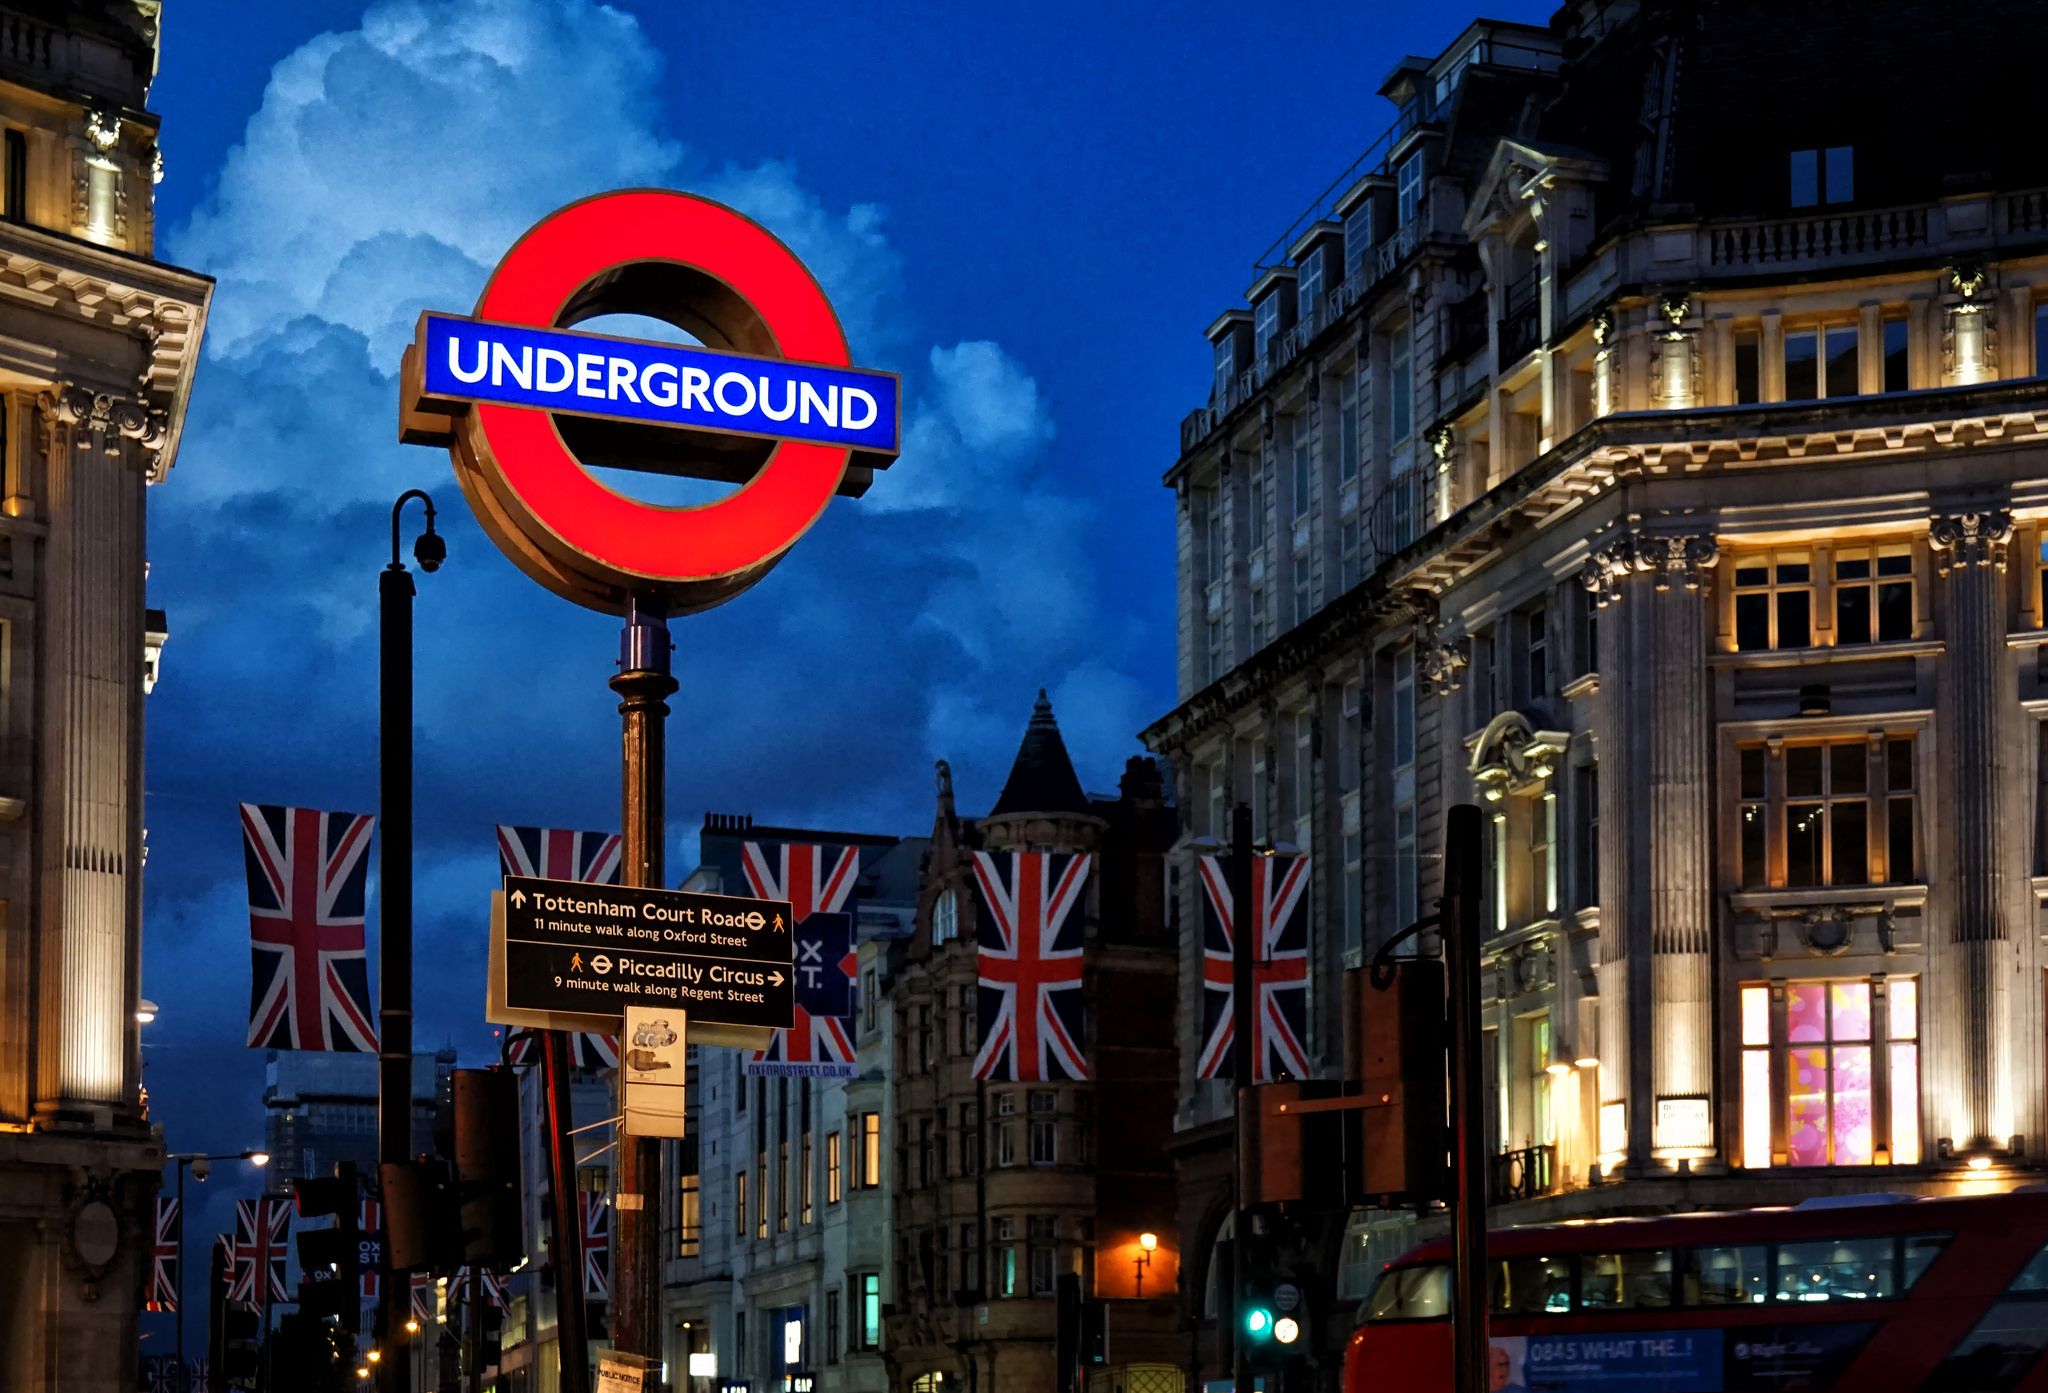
(652, 1065)
(623, 1373)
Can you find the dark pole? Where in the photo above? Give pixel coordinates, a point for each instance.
(1243, 1069)
(1460, 930)
(475, 1328)
(394, 872)
(565, 1243)
(182, 1381)
(644, 685)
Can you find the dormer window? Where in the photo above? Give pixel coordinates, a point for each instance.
(1408, 187)
(1357, 237)
(1265, 324)
(1308, 286)
(1823, 176)
(1226, 368)
(945, 918)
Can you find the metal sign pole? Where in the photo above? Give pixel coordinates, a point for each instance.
(1243, 1070)
(1460, 929)
(565, 1243)
(644, 684)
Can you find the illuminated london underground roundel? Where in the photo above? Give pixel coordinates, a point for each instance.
(769, 402)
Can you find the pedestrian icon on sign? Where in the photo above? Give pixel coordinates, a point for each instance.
(575, 962)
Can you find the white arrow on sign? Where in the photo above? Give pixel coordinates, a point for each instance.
(776, 978)
(519, 899)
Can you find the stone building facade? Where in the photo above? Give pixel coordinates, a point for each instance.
(775, 1216)
(98, 342)
(1645, 443)
(1002, 1187)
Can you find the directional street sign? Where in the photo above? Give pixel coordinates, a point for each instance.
(568, 949)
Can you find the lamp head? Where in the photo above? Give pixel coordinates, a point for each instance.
(1148, 1241)
(430, 550)
(256, 1158)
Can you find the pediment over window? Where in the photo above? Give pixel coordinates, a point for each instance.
(1511, 756)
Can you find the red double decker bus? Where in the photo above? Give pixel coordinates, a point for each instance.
(1872, 1293)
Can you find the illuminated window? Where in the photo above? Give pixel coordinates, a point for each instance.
(867, 1331)
(1839, 1068)
(739, 1204)
(833, 1179)
(1822, 362)
(1874, 593)
(1833, 812)
(1774, 600)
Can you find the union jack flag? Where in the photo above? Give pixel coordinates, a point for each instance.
(261, 1228)
(161, 1372)
(163, 1258)
(370, 1224)
(1279, 968)
(550, 853)
(1029, 994)
(422, 1302)
(202, 1376)
(586, 1049)
(310, 987)
(597, 1247)
(815, 880)
(493, 1285)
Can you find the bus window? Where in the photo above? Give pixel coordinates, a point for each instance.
(1411, 1293)
(1838, 1269)
(2005, 1342)
(1728, 1276)
(1615, 1281)
(1922, 1249)
(1532, 1286)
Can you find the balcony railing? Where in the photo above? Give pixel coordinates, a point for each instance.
(1461, 328)
(1402, 512)
(1876, 232)
(1524, 1174)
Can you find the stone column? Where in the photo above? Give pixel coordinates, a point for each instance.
(1656, 908)
(88, 825)
(1969, 551)
(1678, 708)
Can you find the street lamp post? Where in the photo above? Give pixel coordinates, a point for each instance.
(204, 1164)
(394, 914)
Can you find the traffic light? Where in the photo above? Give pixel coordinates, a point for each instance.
(239, 1331)
(1401, 1139)
(486, 1156)
(330, 1259)
(422, 1224)
(1275, 1323)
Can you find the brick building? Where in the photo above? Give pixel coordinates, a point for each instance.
(1645, 442)
(999, 1188)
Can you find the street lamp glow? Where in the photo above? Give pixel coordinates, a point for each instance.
(1148, 1241)
(256, 1158)
(412, 1325)
(375, 1355)
(145, 1011)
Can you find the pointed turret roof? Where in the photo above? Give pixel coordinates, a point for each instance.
(1043, 779)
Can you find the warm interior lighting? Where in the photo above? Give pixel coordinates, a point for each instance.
(1586, 1062)
(1980, 1162)
(1148, 1241)
(145, 1011)
(1558, 1069)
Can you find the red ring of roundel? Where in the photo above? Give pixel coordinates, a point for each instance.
(644, 541)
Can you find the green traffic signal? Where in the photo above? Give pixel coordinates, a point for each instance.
(1258, 1323)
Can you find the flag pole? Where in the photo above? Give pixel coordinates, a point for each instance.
(644, 684)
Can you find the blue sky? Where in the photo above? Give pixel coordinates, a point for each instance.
(1030, 212)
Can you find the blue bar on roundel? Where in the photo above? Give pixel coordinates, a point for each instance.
(664, 383)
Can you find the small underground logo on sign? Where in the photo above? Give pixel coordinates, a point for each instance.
(768, 400)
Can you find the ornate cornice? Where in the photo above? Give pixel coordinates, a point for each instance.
(1970, 539)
